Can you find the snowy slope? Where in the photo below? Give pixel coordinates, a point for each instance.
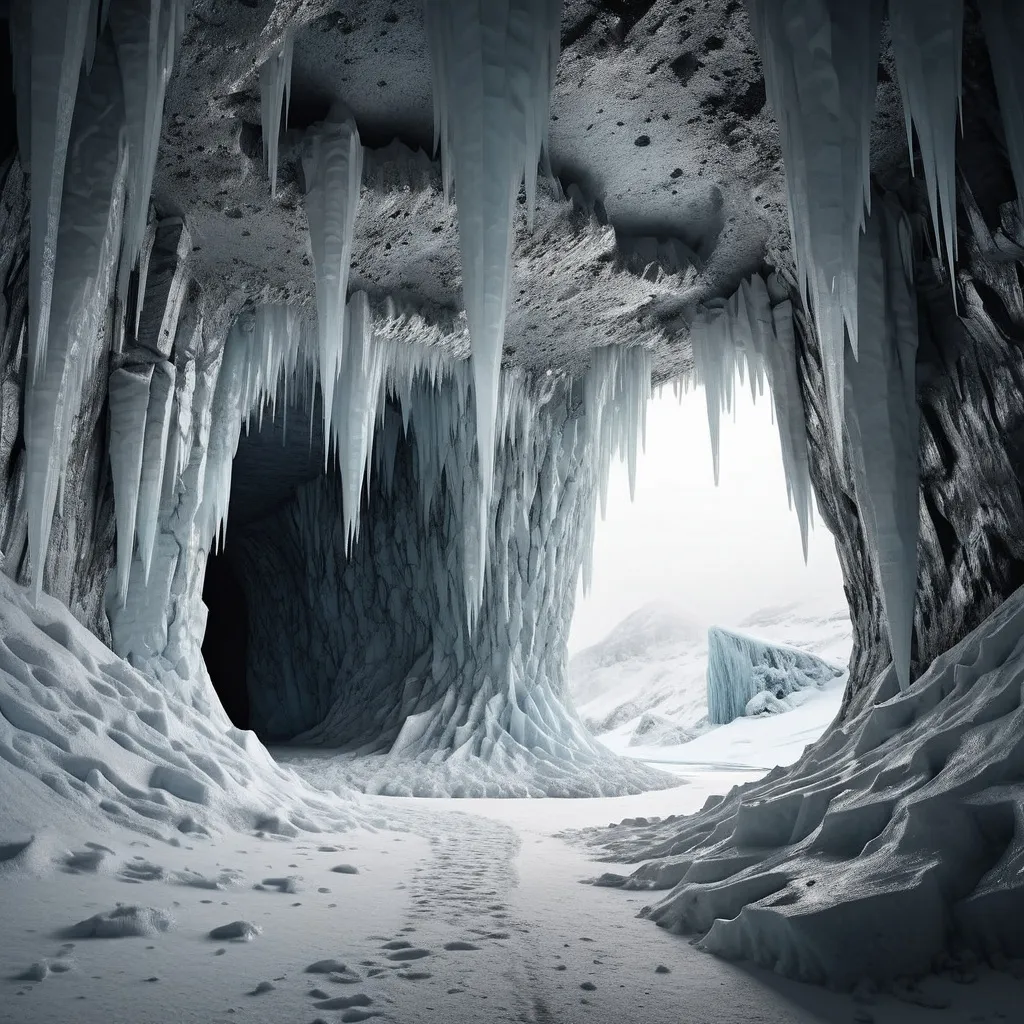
(643, 689)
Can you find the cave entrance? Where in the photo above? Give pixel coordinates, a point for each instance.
(225, 644)
(686, 563)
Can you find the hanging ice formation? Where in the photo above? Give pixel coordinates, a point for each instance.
(882, 420)
(275, 97)
(84, 253)
(1004, 28)
(820, 62)
(748, 331)
(927, 42)
(146, 35)
(332, 164)
(493, 69)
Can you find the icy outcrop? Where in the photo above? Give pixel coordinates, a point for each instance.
(905, 812)
(747, 676)
(493, 69)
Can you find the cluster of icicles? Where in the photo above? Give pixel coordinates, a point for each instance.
(90, 78)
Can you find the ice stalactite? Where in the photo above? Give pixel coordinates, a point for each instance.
(927, 42)
(493, 69)
(882, 420)
(85, 252)
(146, 34)
(820, 62)
(275, 98)
(749, 331)
(58, 34)
(158, 421)
(129, 400)
(1004, 33)
(332, 165)
(747, 676)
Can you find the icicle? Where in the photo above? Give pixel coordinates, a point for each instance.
(332, 164)
(88, 240)
(882, 420)
(158, 419)
(275, 83)
(59, 31)
(21, 57)
(146, 34)
(820, 62)
(1004, 32)
(129, 398)
(493, 67)
(927, 42)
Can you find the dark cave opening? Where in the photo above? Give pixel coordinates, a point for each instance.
(225, 644)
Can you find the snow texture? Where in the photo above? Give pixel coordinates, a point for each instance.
(747, 676)
(906, 812)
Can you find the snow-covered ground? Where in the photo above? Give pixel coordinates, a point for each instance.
(647, 680)
(340, 908)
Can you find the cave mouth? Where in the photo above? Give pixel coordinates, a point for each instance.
(225, 643)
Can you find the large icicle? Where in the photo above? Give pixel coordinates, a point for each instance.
(146, 34)
(927, 42)
(1004, 33)
(715, 360)
(275, 95)
(158, 420)
(882, 420)
(129, 401)
(59, 31)
(493, 67)
(88, 240)
(820, 64)
(332, 164)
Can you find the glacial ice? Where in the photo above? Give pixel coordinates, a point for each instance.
(820, 62)
(332, 164)
(747, 676)
(1003, 21)
(154, 450)
(275, 97)
(493, 69)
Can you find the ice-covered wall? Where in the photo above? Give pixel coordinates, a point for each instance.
(747, 676)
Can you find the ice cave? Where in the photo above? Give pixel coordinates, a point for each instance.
(322, 326)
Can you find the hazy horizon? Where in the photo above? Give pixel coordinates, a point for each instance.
(718, 554)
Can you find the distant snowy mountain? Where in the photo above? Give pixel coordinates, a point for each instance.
(643, 689)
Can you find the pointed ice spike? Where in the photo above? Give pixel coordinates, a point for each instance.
(332, 164)
(1003, 21)
(275, 81)
(882, 420)
(129, 400)
(927, 42)
(493, 65)
(820, 62)
(59, 31)
(158, 419)
(88, 241)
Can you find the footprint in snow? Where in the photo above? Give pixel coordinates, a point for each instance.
(408, 954)
(326, 967)
(397, 944)
(344, 1002)
(414, 975)
(459, 945)
(286, 885)
(357, 1014)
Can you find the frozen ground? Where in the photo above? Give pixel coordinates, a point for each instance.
(253, 894)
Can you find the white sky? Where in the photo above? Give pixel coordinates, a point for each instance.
(718, 553)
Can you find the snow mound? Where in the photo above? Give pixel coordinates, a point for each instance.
(656, 730)
(747, 676)
(896, 839)
(84, 735)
